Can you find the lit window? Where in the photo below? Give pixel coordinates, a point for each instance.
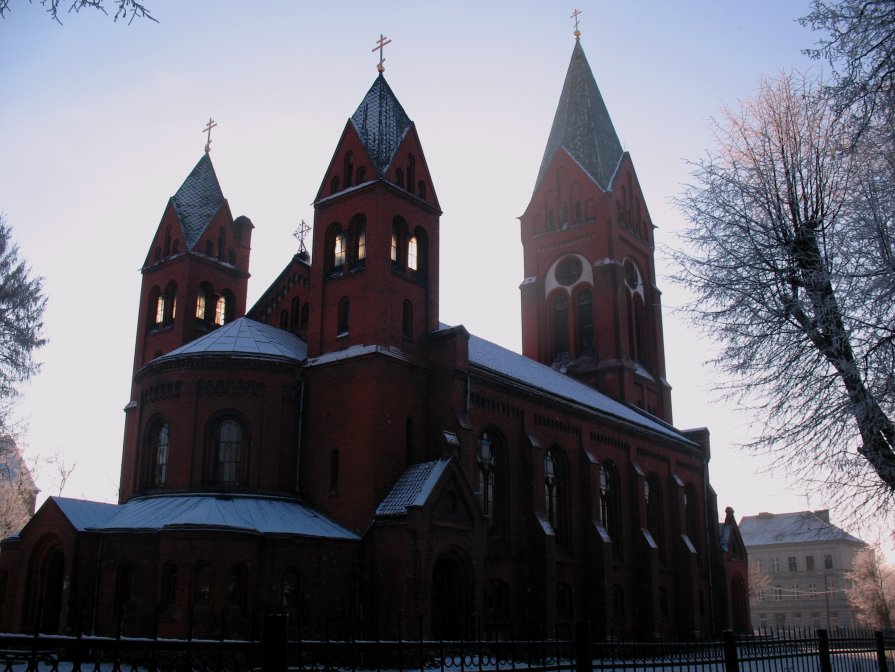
(394, 246)
(160, 450)
(361, 244)
(339, 250)
(201, 300)
(220, 311)
(229, 452)
(413, 262)
(160, 309)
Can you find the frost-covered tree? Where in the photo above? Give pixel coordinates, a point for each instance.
(120, 9)
(17, 489)
(22, 303)
(871, 591)
(789, 255)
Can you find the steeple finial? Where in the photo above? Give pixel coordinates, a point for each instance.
(380, 45)
(300, 234)
(211, 124)
(575, 14)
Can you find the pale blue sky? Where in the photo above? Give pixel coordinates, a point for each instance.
(101, 122)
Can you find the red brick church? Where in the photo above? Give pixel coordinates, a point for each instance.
(337, 453)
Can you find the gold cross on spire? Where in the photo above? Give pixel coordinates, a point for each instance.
(575, 15)
(381, 42)
(211, 124)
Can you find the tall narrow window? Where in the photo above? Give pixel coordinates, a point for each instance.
(361, 244)
(294, 313)
(561, 324)
(168, 596)
(220, 311)
(491, 486)
(394, 246)
(691, 512)
(413, 260)
(652, 492)
(160, 455)
(202, 584)
(339, 250)
(201, 303)
(221, 241)
(411, 172)
(610, 513)
(237, 588)
(229, 445)
(160, 310)
(485, 491)
(349, 169)
(124, 590)
(585, 331)
(344, 317)
(550, 489)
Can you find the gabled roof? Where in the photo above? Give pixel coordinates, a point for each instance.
(412, 489)
(787, 528)
(198, 200)
(247, 514)
(582, 125)
(540, 377)
(244, 337)
(381, 123)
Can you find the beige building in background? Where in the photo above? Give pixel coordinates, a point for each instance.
(805, 558)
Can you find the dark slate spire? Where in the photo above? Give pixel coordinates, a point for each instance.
(582, 125)
(381, 123)
(198, 200)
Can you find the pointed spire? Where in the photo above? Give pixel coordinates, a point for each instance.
(198, 200)
(381, 123)
(582, 125)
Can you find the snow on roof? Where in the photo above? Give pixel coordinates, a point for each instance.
(787, 528)
(245, 336)
(536, 375)
(357, 351)
(412, 489)
(198, 200)
(252, 514)
(83, 514)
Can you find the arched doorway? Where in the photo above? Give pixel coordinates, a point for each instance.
(452, 596)
(45, 606)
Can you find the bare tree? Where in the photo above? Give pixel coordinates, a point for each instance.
(22, 303)
(871, 590)
(122, 9)
(759, 580)
(17, 489)
(794, 280)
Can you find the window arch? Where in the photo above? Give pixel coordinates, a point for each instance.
(230, 448)
(417, 251)
(157, 442)
(305, 312)
(411, 172)
(413, 258)
(294, 313)
(155, 309)
(209, 248)
(358, 231)
(491, 485)
(222, 241)
(399, 177)
(334, 184)
(636, 312)
(224, 308)
(399, 243)
(421, 189)
(556, 494)
(167, 248)
(204, 295)
(655, 513)
(170, 305)
(610, 505)
(344, 318)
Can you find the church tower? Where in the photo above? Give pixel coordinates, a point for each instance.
(195, 275)
(590, 305)
(375, 273)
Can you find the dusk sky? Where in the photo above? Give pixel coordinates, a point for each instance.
(100, 123)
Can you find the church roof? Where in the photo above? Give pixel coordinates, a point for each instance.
(582, 125)
(412, 489)
(249, 514)
(543, 378)
(244, 336)
(198, 200)
(381, 123)
(787, 528)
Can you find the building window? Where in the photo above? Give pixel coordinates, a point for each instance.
(411, 172)
(812, 591)
(203, 587)
(828, 562)
(775, 565)
(124, 591)
(339, 250)
(348, 169)
(762, 621)
(334, 184)
(360, 242)
(488, 492)
(294, 313)
(413, 254)
(793, 565)
(168, 596)
(229, 452)
(237, 588)
(809, 563)
(158, 446)
(609, 506)
(778, 593)
(220, 311)
(560, 324)
(201, 301)
(584, 332)
(344, 317)
(691, 514)
(652, 492)
(556, 495)
(160, 310)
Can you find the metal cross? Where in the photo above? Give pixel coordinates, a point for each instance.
(211, 124)
(381, 42)
(575, 15)
(300, 233)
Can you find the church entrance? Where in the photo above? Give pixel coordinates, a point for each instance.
(452, 597)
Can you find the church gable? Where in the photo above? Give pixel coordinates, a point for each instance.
(409, 170)
(350, 165)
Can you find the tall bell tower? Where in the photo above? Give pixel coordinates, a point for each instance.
(590, 304)
(376, 234)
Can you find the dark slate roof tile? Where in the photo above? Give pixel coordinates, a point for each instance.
(198, 200)
(245, 337)
(381, 123)
(412, 489)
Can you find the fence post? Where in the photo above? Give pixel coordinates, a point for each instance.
(880, 652)
(274, 644)
(731, 664)
(823, 649)
(583, 660)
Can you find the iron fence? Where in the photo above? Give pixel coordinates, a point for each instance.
(814, 651)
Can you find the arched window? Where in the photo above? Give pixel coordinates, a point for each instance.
(407, 319)
(560, 324)
(361, 174)
(491, 476)
(413, 259)
(655, 523)
(399, 177)
(167, 249)
(358, 227)
(220, 311)
(348, 169)
(339, 250)
(229, 449)
(421, 189)
(411, 172)
(170, 310)
(125, 596)
(237, 588)
(204, 302)
(175, 248)
(584, 328)
(222, 239)
(636, 312)
(691, 518)
(556, 494)
(334, 184)
(610, 512)
(168, 595)
(203, 585)
(550, 489)
(400, 237)
(160, 310)
(284, 319)
(155, 313)
(344, 323)
(158, 451)
(209, 248)
(305, 312)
